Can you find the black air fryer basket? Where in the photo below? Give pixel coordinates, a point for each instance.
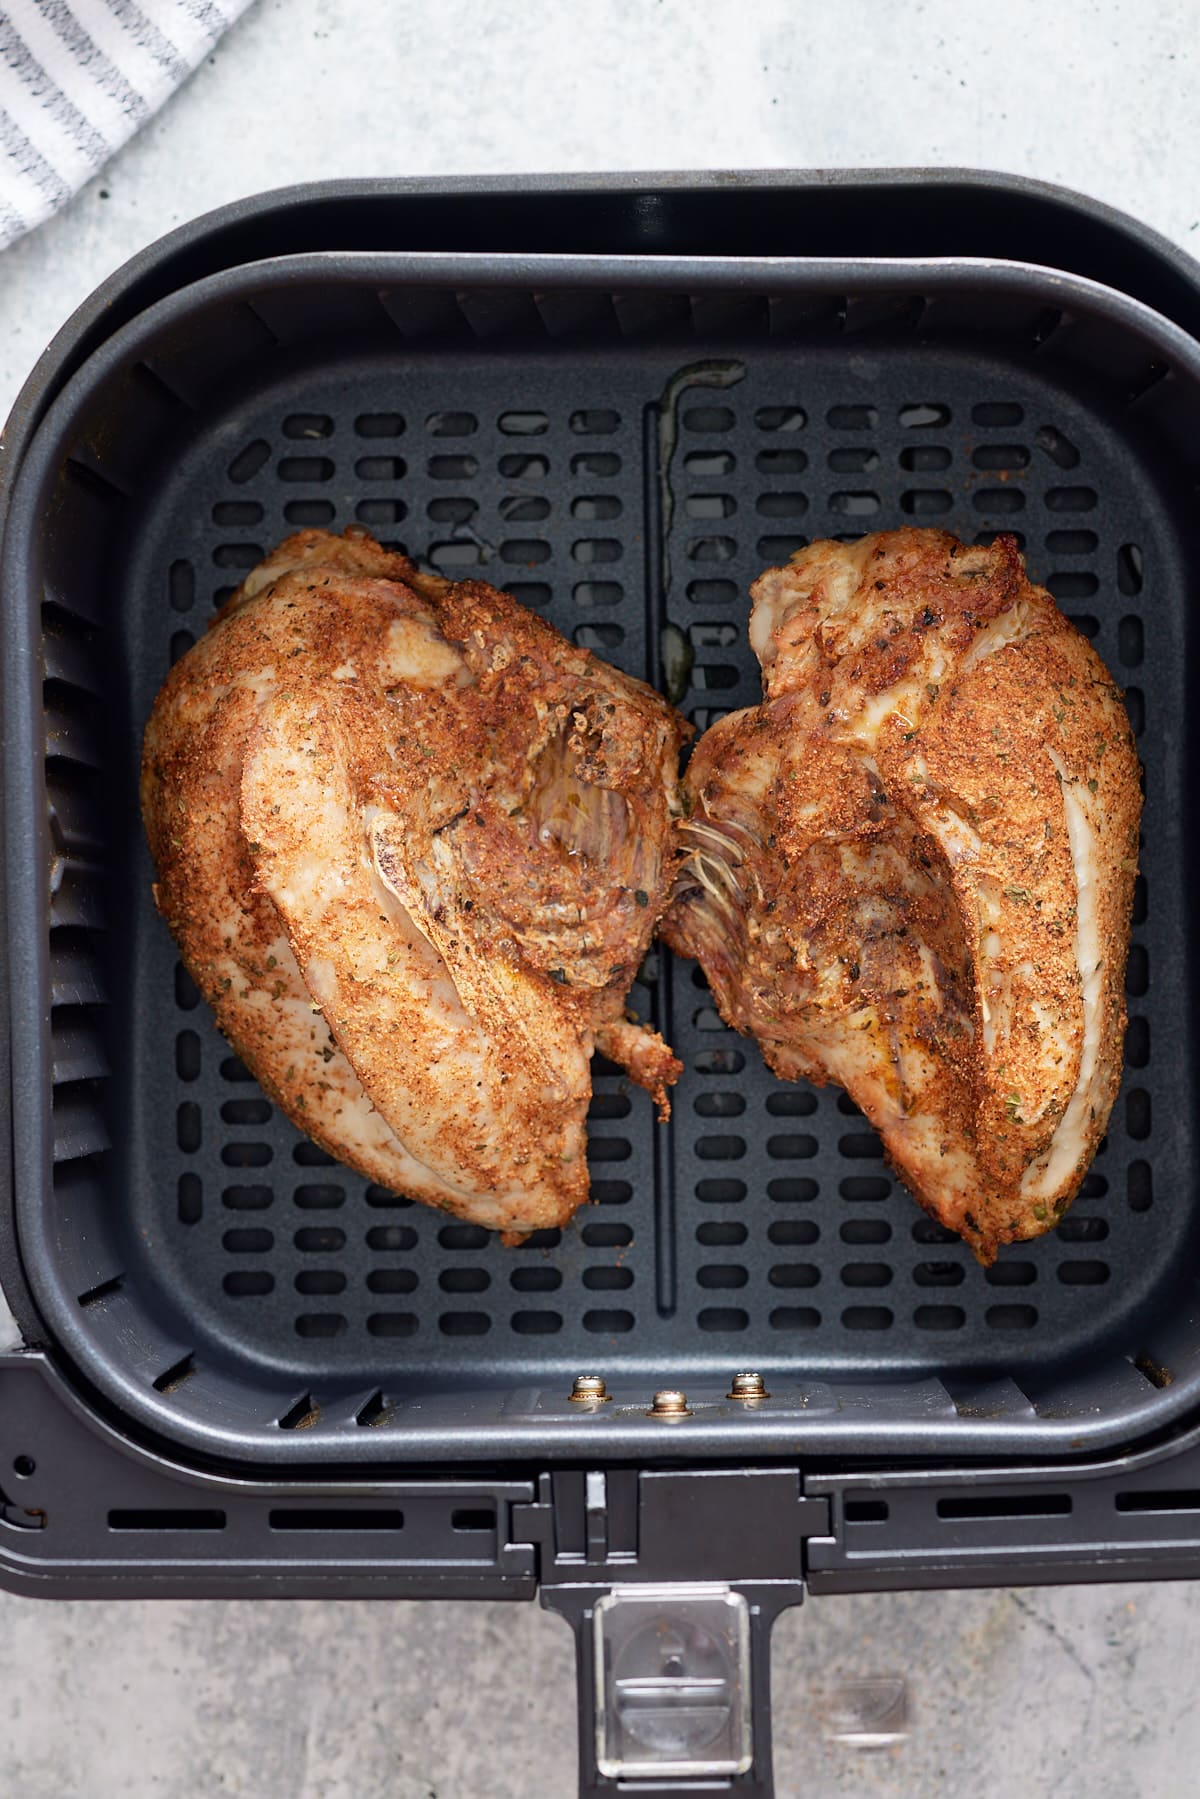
(245, 1369)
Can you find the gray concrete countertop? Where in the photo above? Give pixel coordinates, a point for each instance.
(1082, 1691)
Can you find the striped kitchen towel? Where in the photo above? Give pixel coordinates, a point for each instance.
(77, 80)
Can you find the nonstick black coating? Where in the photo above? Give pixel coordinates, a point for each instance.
(625, 462)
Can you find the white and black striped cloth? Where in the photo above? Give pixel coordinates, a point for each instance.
(77, 80)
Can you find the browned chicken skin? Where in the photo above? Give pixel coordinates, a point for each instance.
(413, 846)
(910, 870)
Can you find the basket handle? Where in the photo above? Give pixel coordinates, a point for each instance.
(673, 1687)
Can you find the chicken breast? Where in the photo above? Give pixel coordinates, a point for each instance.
(413, 846)
(910, 870)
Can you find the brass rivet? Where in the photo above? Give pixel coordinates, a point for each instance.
(589, 1389)
(748, 1386)
(669, 1403)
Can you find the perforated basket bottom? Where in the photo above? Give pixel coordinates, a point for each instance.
(761, 1227)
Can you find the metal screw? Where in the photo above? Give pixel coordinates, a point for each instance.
(669, 1403)
(589, 1389)
(748, 1386)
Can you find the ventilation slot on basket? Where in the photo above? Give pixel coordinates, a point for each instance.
(388, 424)
(984, 1506)
(923, 416)
(391, 1237)
(545, 1323)
(376, 1411)
(246, 1199)
(172, 1378)
(859, 1187)
(249, 1283)
(524, 424)
(723, 1274)
(1000, 456)
(319, 1196)
(167, 1518)
(249, 461)
(1079, 1229)
(726, 1236)
(320, 1239)
(306, 468)
(393, 1324)
(867, 1318)
(1147, 1501)
(301, 1416)
(513, 468)
(794, 1318)
(308, 424)
(535, 1280)
(473, 1518)
(781, 418)
(181, 583)
(1152, 376)
(861, 459)
(720, 1192)
(594, 421)
(850, 418)
(339, 1518)
(723, 462)
(463, 1280)
(249, 1241)
(1153, 1371)
(1011, 1318)
(405, 1279)
(790, 1192)
(381, 1198)
(939, 1318)
(95, 1295)
(1071, 499)
(608, 1323)
(939, 1274)
(865, 1230)
(320, 1324)
(189, 1199)
(865, 1511)
(465, 1324)
(1010, 1274)
(1129, 569)
(447, 424)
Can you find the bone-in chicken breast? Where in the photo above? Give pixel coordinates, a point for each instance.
(413, 846)
(910, 870)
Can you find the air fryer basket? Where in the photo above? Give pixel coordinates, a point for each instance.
(623, 444)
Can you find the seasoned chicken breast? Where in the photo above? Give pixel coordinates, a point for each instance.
(910, 870)
(413, 846)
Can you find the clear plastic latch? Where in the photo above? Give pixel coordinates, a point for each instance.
(672, 1682)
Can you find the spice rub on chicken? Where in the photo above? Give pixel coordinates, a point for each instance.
(413, 845)
(910, 869)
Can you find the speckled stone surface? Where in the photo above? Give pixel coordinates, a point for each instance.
(1081, 1691)
(1069, 1691)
